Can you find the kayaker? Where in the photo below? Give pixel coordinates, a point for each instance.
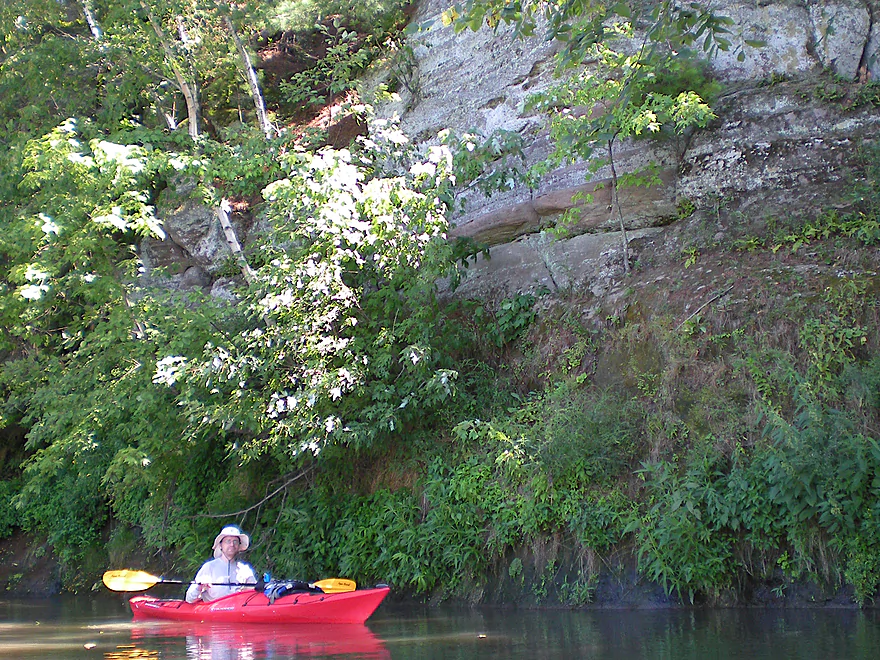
(211, 580)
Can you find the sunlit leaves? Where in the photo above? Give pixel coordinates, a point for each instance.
(582, 24)
(624, 95)
(85, 200)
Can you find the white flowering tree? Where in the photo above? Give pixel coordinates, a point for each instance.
(336, 339)
(78, 346)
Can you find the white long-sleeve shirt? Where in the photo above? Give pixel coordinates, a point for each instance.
(218, 573)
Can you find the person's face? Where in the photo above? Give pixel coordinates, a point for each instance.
(229, 546)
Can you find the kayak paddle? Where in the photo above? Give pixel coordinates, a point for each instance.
(335, 585)
(128, 580)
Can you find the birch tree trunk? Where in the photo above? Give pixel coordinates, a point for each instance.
(189, 88)
(95, 29)
(253, 82)
(167, 117)
(232, 240)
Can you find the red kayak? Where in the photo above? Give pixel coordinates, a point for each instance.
(254, 607)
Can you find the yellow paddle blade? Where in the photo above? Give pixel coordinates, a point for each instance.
(128, 580)
(335, 585)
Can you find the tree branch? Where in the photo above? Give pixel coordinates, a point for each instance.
(615, 205)
(268, 497)
(704, 305)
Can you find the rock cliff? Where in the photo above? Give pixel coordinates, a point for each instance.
(789, 123)
(784, 140)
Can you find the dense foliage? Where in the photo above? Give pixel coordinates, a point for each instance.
(331, 401)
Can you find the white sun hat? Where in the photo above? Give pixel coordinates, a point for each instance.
(231, 530)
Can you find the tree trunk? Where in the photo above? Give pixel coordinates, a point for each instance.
(97, 33)
(188, 88)
(615, 206)
(254, 84)
(167, 117)
(232, 240)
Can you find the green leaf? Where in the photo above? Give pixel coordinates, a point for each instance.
(621, 9)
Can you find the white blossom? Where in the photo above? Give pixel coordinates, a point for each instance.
(271, 192)
(114, 219)
(128, 156)
(80, 159)
(438, 154)
(33, 291)
(168, 370)
(35, 274)
(49, 226)
(419, 169)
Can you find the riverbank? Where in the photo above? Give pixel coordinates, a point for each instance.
(29, 569)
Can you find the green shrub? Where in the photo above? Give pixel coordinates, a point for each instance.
(684, 541)
(301, 15)
(9, 517)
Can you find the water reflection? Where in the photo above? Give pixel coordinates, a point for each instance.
(131, 652)
(253, 641)
(756, 634)
(92, 628)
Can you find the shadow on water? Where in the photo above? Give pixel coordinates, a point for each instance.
(101, 627)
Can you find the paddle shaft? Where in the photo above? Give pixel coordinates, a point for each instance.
(210, 584)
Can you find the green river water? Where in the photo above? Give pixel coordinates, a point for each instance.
(101, 627)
